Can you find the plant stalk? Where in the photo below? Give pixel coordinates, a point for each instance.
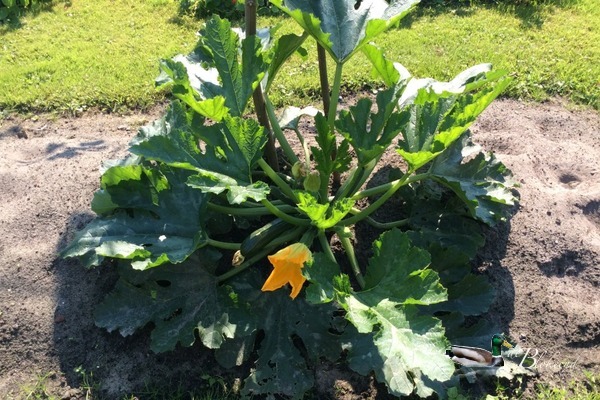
(392, 188)
(386, 186)
(257, 95)
(285, 188)
(325, 246)
(349, 249)
(223, 245)
(333, 104)
(248, 212)
(286, 217)
(322, 56)
(285, 146)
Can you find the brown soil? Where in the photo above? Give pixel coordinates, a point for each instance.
(544, 263)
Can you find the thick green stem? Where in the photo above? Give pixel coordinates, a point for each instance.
(356, 179)
(285, 146)
(257, 95)
(250, 211)
(382, 225)
(325, 246)
(392, 188)
(349, 249)
(335, 94)
(385, 187)
(285, 188)
(249, 262)
(288, 218)
(331, 115)
(223, 245)
(322, 57)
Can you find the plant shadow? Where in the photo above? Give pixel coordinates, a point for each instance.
(113, 365)
(532, 14)
(15, 21)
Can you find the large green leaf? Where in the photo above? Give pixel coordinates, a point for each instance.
(327, 281)
(282, 49)
(181, 72)
(218, 68)
(407, 348)
(482, 182)
(391, 73)
(341, 27)
(232, 148)
(370, 133)
(150, 227)
(281, 367)
(179, 300)
(442, 111)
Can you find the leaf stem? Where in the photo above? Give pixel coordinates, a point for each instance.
(382, 188)
(382, 225)
(349, 249)
(322, 57)
(335, 94)
(223, 245)
(285, 146)
(250, 211)
(285, 188)
(286, 217)
(391, 187)
(325, 246)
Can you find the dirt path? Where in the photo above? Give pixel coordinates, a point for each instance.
(545, 263)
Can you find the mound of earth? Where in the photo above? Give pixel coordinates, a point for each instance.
(544, 263)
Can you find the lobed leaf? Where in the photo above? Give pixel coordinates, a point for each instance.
(323, 216)
(181, 72)
(369, 133)
(327, 144)
(149, 228)
(482, 182)
(281, 368)
(407, 348)
(232, 148)
(220, 71)
(339, 26)
(441, 112)
(179, 300)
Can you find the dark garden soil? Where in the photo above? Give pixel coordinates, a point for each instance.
(544, 263)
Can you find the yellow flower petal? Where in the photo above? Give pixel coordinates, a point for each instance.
(287, 265)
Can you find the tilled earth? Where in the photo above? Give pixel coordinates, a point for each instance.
(544, 263)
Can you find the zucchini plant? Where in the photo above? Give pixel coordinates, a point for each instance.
(210, 234)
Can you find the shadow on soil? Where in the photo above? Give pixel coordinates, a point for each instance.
(532, 14)
(116, 366)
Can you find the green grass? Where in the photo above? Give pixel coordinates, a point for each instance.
(105, 53)
(549, 51)
(99, 53)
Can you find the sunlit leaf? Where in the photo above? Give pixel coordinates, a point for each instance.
(149, 228)
(339, 26)
(482, 182)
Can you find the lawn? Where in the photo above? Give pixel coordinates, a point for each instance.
(105, 53)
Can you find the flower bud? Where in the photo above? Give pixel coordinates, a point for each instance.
(312, 182)
(298, 170)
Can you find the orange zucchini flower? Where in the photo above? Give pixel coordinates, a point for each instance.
(287, 265)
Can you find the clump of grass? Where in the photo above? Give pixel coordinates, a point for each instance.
(90, 54)
(105, 53)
